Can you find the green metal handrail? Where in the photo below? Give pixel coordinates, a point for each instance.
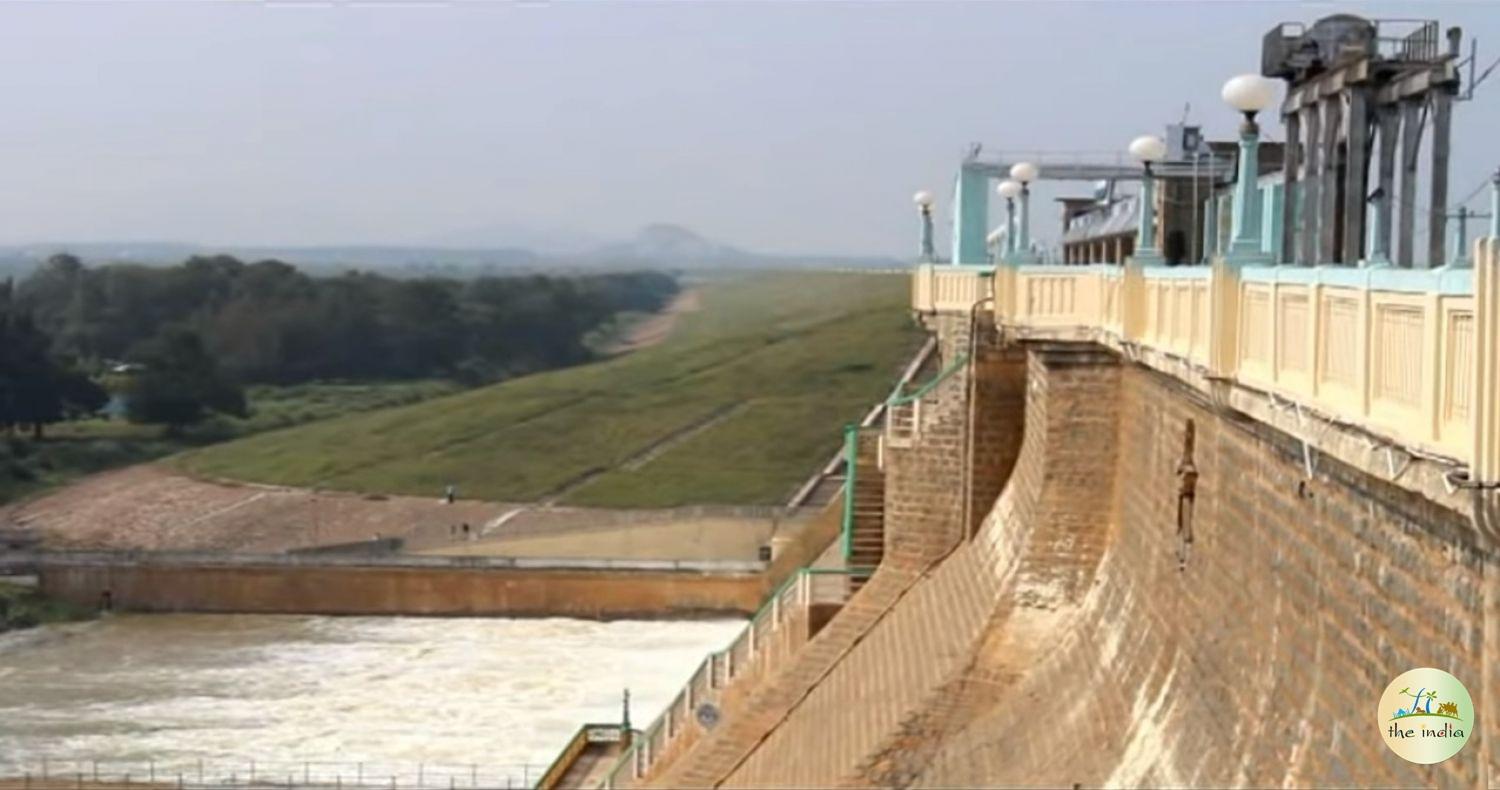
(851, 454)
(953, 367)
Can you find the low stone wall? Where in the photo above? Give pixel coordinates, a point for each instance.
(410, 586)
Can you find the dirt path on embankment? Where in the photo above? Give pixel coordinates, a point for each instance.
(151, 508)
(655, 329)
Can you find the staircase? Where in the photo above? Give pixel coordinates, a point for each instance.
(866, 541)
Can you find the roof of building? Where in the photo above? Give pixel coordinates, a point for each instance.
(1114, 219)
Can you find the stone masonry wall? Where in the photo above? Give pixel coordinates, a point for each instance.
(1260, 662)
(876, 711)
(922, 526)
(1066, 645)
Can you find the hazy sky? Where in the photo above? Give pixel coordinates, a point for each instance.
(775, 126)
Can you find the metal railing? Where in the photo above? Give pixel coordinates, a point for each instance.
(52, 773)
(744, 656)
(903, 410)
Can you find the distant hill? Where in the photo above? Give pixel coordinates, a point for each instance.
(675, 244)
(657, 245)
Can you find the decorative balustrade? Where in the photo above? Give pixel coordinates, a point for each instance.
(939, 288)
(1407, 354)
(773, 635)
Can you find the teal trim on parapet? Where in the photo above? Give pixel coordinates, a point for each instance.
(971, 215)
(1445, 281)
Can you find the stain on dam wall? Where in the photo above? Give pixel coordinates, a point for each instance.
(1080, 637)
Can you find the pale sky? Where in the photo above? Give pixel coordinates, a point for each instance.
(789, 127)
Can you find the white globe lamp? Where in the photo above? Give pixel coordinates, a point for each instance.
(1249, 93)
(1148, 148)
(1008, 189)
(1024, 172)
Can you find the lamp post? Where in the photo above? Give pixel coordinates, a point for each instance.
(1495, 205)
(1023, 173)
(1146, 149)
(992, 243)
(923, 199)
(1009, 190)
(1248, 93)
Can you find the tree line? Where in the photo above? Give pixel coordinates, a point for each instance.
(187, 336)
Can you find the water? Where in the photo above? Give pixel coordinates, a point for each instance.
(290, 689)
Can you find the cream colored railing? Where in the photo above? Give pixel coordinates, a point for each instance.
(1409, 354)
(942, 288)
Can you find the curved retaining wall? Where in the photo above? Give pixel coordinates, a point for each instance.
(921, 527)
(1068, 644)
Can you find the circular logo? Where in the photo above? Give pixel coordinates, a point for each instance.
(1425, 715)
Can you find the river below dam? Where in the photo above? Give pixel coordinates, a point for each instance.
(373, 695)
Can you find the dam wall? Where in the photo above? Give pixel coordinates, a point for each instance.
(915, 671)
(1103, 629)
(1254, 654)
(934, 457)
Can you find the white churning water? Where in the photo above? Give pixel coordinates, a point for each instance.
(287, 689)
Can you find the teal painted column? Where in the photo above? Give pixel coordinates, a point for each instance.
(1023, 237)
(1010, 229)
(1460, 259)
(1270, 219)
(1210, 228)
(926, 249)
(1380, 238)
(971, 215)
(1244, 239)
(1495, 205)
(1147, 253)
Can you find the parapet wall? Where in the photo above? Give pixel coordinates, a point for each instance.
(1081, 639)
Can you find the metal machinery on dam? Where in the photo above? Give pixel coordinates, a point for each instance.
(1152, 524)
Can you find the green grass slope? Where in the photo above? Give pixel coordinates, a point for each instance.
(738, 406)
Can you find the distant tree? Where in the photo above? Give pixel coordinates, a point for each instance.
(269, 322)
(36, 388)
(181, 382)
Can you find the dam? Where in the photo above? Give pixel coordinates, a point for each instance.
(1156, 517)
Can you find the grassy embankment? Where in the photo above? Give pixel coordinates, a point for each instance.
(23, 607)
(738, 405)
(73, 449)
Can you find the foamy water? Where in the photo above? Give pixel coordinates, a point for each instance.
(287, 689)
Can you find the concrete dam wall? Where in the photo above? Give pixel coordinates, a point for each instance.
(1137, 608)
(437, 586)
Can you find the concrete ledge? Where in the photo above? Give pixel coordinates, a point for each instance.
(186, 559)
(370, 589)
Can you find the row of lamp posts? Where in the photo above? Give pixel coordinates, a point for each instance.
(1247, 93)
